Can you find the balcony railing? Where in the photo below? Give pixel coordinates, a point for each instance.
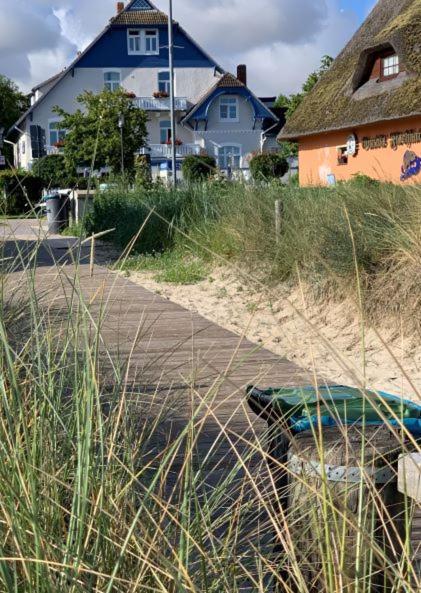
(53, 150)
(152, 104)
(165, 150)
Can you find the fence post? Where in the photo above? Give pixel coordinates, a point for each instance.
(92, 257)
(278, 219)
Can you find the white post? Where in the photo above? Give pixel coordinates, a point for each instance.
(172, 95)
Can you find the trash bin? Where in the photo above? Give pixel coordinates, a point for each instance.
(57, 212)
(336, 460)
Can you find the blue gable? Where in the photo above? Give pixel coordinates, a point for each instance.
(111, 51)
(201, 112)
(140, 5)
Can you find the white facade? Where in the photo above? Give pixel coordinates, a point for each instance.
(231, 133)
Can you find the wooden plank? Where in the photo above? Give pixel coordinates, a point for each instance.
(409, 476)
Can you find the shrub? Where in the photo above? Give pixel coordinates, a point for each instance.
(52, 170)
(265, 167)
(197, 168)
(20, 191)
(143, 173)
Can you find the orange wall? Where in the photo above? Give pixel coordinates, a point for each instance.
(318, 155)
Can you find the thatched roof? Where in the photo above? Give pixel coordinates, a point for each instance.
(342, 99)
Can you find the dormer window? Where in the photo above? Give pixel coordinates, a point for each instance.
(390, 66)
(378, 65)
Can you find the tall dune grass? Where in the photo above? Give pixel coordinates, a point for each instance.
(103, 489)
(236, 223)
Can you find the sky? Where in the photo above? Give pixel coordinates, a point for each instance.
(281, 41)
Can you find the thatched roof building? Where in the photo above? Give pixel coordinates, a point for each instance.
(348, 95)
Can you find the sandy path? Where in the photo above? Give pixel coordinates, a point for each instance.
(326, 339)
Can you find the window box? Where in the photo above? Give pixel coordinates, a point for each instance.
(178, 142)
(59, 144)
(160, 95)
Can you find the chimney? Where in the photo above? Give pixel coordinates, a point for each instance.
(120, 7)
(242, 73)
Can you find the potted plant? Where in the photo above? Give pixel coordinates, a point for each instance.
(131, 95)
(177, 142)
(59, 144)
(160, 95)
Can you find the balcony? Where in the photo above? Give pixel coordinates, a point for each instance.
(53, 150)
(152, 104)
(157, 151)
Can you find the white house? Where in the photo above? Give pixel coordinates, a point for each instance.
(216, 111)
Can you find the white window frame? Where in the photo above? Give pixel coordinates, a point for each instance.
(55, 120)
(167, 128)
(134, 34)
(390, 66)
(112, 71)
(230, 100)
(151, 52)
(229, 145)
(167, 83)
(141, 35)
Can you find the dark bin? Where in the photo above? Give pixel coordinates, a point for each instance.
(337, 440)
(57, 212)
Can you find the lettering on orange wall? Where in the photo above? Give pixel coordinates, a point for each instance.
(395, 139)
(376, 142)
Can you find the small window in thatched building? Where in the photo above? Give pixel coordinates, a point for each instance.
(378, 65)
(342, 155)
(390, 66)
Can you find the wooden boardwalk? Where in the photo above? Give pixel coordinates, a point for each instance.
(189, 360)
(171, 350)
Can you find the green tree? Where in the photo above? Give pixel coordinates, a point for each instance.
(293, 101)
(93, 134)
(13, 103)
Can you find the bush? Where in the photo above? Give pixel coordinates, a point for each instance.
(16, 188)
(127, 212)
(198, 168)
(52, 170)
(265, 167)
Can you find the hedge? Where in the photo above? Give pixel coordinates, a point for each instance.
(198, 168)
(13, 187)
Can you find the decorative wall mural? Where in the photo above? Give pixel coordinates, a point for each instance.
(411, 165)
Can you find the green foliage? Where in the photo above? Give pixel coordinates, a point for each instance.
(265, 167)
(74, 230)
(53, 172)
(175, 267)
(127, 212)
(94, 137)
(13, 103)
(198, 168)
(293, 101)
(143, 172)
(19, 190)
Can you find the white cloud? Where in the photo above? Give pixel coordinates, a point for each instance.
(280, 40)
